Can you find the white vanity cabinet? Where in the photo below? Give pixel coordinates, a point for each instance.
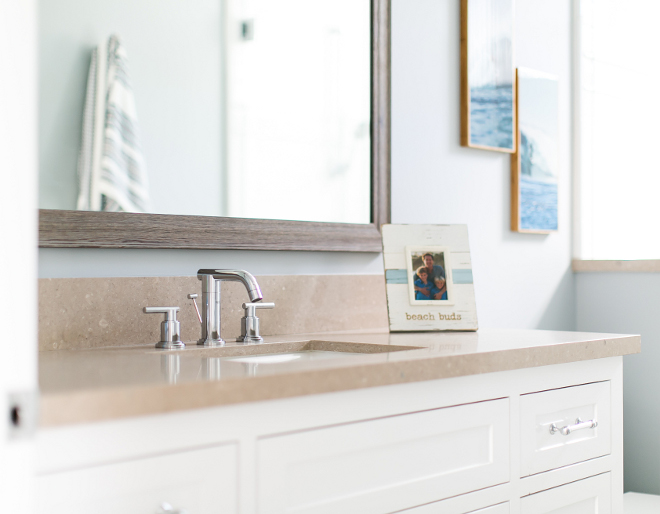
(202, 480)
(471, 444)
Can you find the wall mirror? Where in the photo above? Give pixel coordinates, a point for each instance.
(260, 124)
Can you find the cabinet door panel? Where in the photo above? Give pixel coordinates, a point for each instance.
(542, 450)
(388, 464)
(199, 482)
(588, 496)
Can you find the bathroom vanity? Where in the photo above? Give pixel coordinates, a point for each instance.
(494, 422)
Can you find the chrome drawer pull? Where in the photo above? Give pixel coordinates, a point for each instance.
(579, 425)
(166, 508)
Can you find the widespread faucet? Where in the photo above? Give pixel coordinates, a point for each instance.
(211, 279)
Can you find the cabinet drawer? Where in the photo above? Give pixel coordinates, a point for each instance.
(387, 464)
(502, 508)
(442, 508)
(541, 449)
(588, 496)
(199, 482)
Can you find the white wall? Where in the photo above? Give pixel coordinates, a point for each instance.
(629, 303)
(521, 280)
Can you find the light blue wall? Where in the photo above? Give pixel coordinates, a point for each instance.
(174, 55)
(92, 262)
(521, 281)
(629, 303)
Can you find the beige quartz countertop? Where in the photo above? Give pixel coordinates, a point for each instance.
(79, 386)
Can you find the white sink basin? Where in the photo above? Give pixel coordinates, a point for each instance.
(302, 355)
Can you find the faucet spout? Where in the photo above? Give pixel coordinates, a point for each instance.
(211, 317)
(248, 280)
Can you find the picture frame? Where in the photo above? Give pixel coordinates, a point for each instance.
(535, 164)
(444, 300)
(441, 256)
(487, 75)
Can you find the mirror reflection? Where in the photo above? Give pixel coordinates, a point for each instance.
(240, 108)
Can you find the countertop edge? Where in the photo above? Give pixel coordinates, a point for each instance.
(72, 408)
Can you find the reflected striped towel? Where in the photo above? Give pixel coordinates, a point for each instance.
(111, 169)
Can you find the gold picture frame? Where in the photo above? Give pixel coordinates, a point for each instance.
(535, 163)
(487, 83)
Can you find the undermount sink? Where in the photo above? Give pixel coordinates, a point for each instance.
(303, 355)
(284, 352)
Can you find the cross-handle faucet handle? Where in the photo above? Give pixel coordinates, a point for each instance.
(251, 306)
(170, 328)
(250, 323)
(170, 312)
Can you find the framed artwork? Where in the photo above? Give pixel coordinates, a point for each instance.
(535, 164)
(487, 75)
(428, 275)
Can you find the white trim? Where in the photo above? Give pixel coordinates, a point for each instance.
(18, 233)
(612, 266)
(578, 251)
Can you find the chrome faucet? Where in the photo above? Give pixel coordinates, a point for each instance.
(211, 279)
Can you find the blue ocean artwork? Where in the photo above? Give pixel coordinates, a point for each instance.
(491, 116)
(538, 204)
(538, 155)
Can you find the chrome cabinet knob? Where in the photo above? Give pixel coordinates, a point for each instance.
(170, 329)
(166, 508)
(568, 429)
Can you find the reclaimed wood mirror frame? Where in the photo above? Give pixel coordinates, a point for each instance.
(86, 229)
